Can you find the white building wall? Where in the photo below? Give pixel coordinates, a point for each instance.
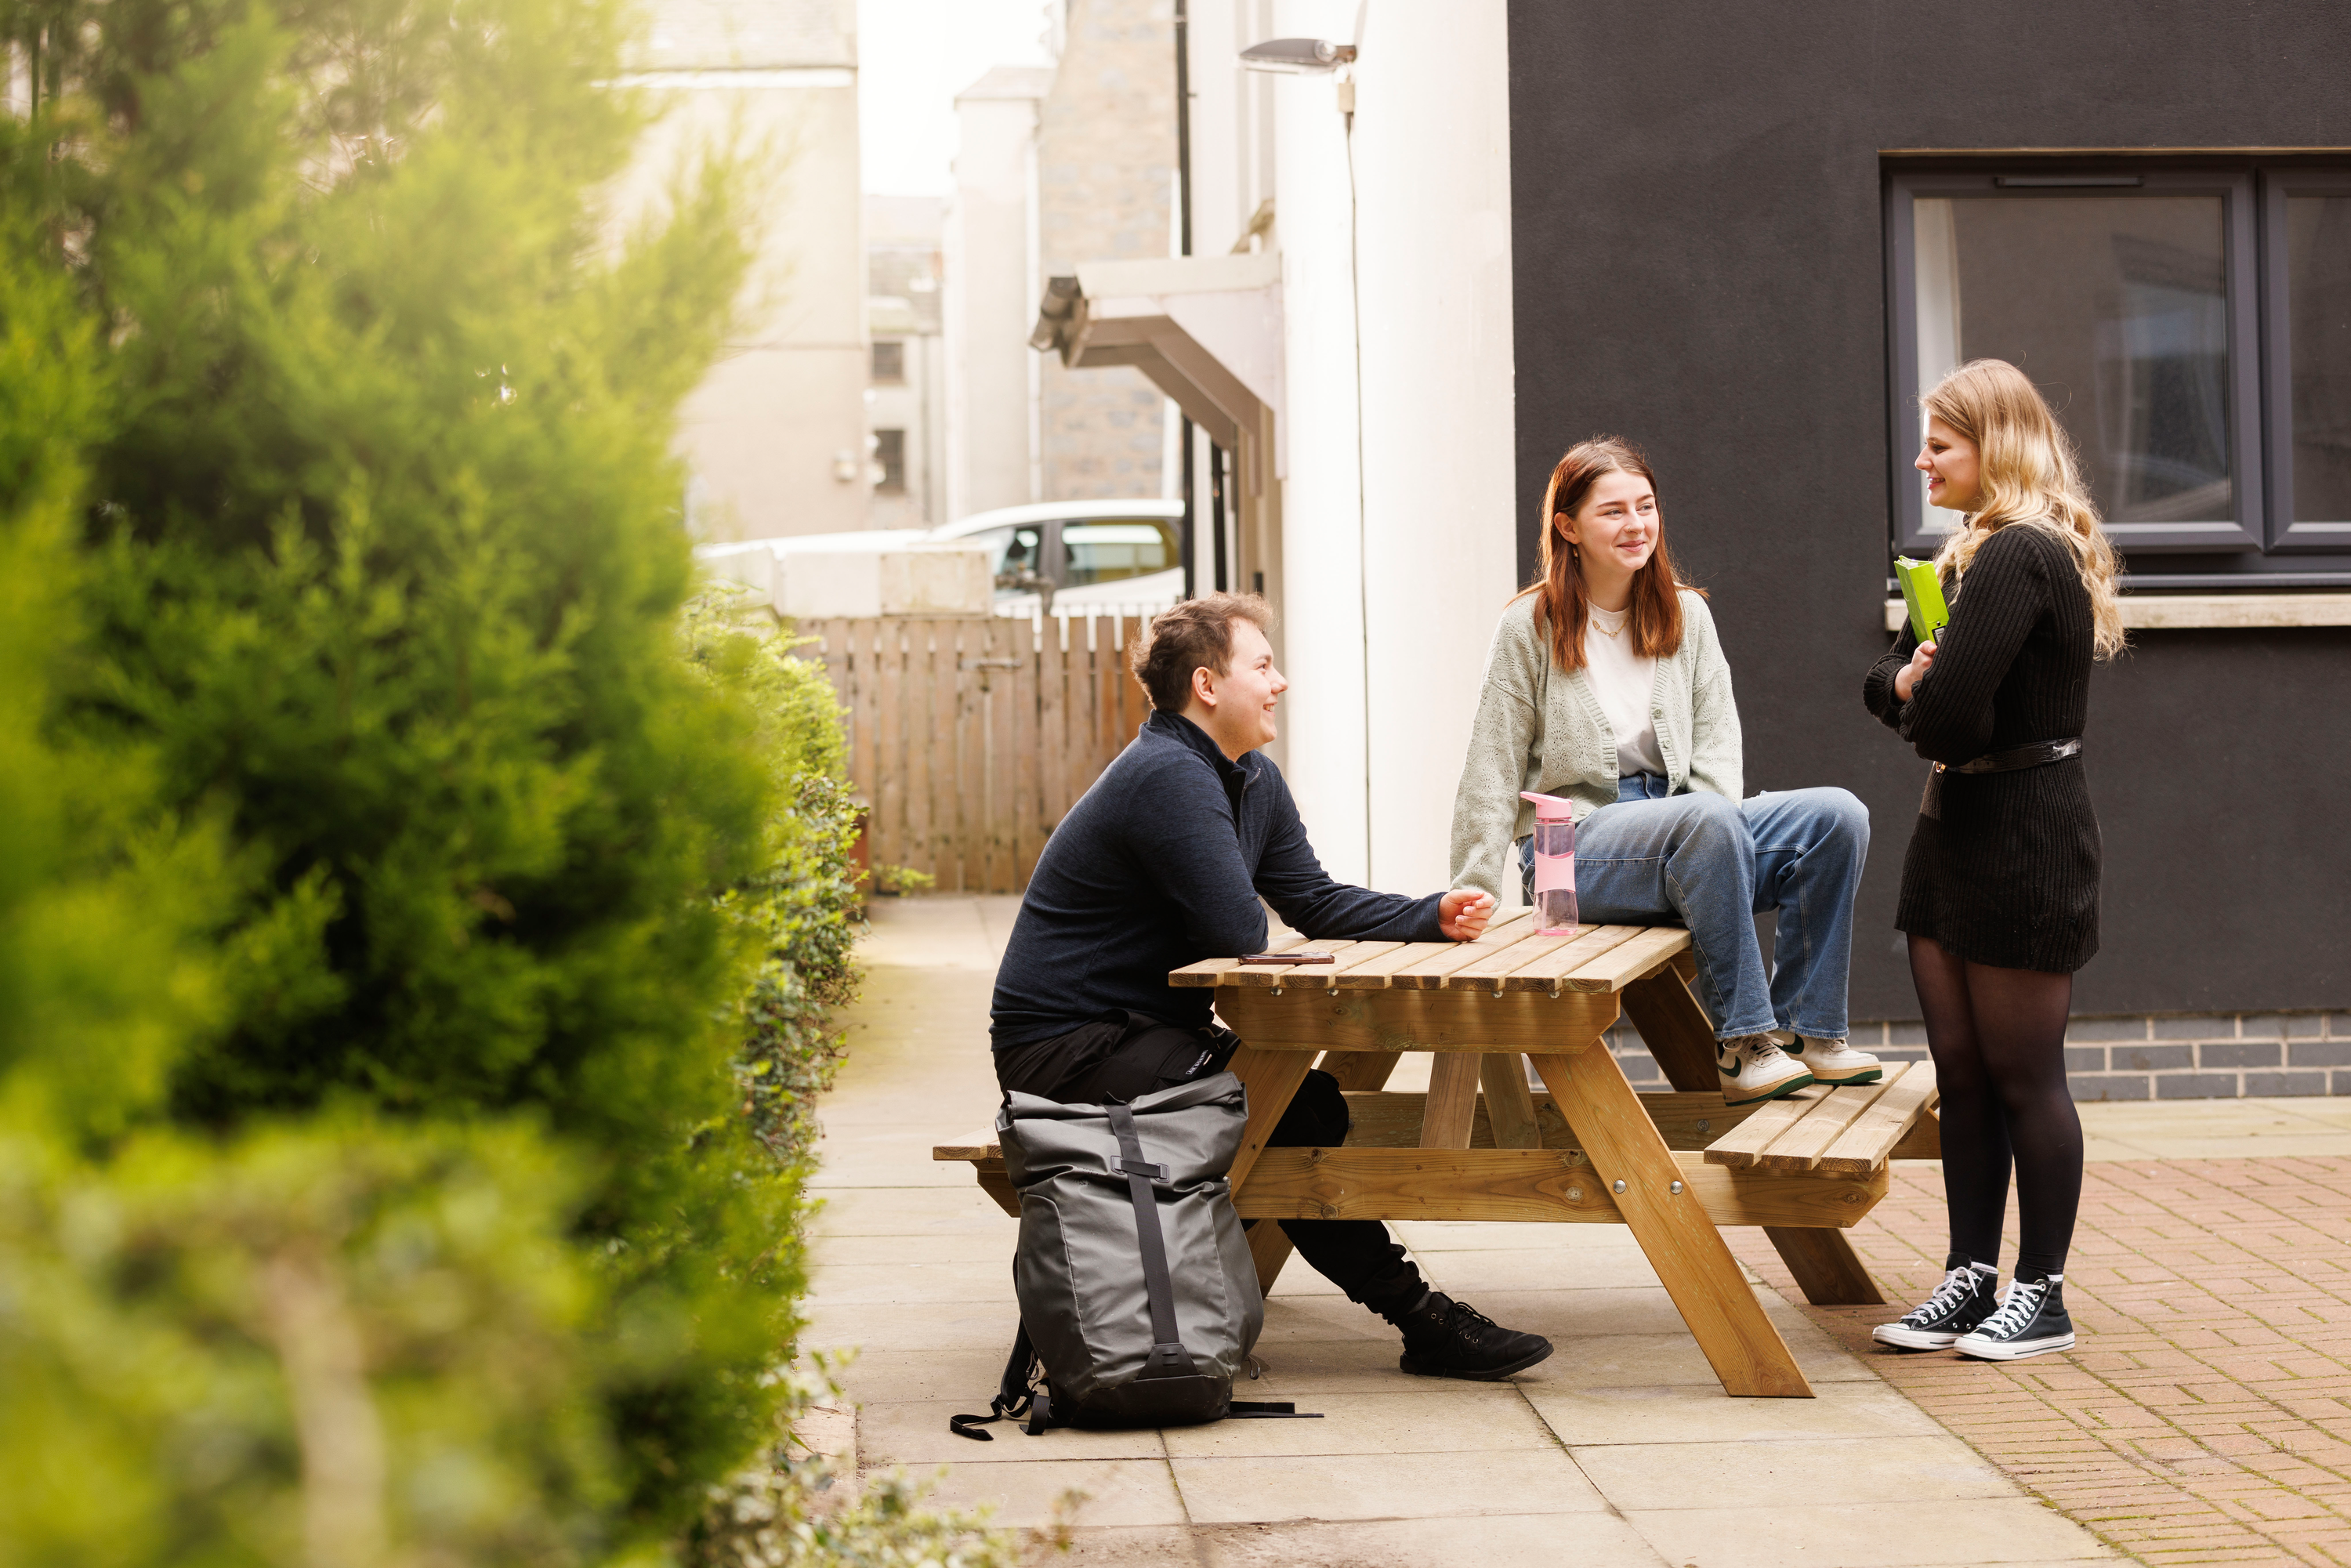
(1433, 183)
(775, 435)
(1321, 513)
(1398, 541)
(992, 290)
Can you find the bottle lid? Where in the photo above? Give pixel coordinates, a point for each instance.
(1549, 808)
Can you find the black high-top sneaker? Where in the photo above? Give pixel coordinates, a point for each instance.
(2032, 1321)
(1963, 1299)
(1446, 1338)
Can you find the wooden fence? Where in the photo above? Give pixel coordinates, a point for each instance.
(970, 738)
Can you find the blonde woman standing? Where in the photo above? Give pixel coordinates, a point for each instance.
(1999, 890)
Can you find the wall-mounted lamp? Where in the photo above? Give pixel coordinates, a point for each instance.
(1297, 57)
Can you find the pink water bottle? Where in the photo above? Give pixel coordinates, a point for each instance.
(1554, 864)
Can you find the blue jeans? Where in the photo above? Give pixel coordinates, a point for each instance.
(1713, 865)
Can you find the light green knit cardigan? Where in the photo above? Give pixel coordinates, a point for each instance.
(1538, 729)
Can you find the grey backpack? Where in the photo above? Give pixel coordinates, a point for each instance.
(1137, 1293)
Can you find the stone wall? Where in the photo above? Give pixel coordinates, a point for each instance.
(1105, 175)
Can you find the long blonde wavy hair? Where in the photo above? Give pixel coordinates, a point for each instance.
(2029, 474)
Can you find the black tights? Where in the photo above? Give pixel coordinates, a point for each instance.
(1999, 1042)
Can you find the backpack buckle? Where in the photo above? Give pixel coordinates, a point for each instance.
(1126, 1166)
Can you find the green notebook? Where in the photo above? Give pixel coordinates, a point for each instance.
(1922, 591)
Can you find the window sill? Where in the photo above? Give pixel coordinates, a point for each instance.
(2183, 611)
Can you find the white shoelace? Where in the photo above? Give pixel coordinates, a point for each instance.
(1956, 1286)
(2017, 1309)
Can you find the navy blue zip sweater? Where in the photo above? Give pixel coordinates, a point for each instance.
(1161, 864)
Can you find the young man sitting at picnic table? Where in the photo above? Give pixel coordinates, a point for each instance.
(1163, 863)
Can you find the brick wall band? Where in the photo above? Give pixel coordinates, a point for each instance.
(2224, 1056)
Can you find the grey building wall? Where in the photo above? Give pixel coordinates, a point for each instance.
(1106, 175)
(1698, 266)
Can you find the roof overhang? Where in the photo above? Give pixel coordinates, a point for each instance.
(1206, 329)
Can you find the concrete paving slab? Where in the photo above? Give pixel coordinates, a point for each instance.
(1867, 1535)
(912, 1211)
(915, 1433)
(2217, 1129)
(1652, 1413)
(958, 1246)
(1463, 1272)
(966, 1377)
(1820, 1471)
(1383, 1486)
(1436, 1417)
(1023, 1493)
(1618, 1360)
(1133, 1546)
(1303, 1368)
(1470, 1235)
(1289, 1319)
(1558, 1314)
(1498, 1541)
(916, 1279)
(928, 1326)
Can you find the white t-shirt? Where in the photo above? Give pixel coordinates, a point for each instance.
(1624, 681)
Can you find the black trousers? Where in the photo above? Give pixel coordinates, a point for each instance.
(1127, 1055)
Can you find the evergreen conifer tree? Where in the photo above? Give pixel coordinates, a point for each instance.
(382, 560)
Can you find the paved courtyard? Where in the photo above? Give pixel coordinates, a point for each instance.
(2202, 1419)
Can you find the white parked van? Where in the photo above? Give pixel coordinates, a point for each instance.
(1078, 557)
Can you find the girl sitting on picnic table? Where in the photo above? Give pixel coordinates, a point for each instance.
(1607, 686)
(1999, 890)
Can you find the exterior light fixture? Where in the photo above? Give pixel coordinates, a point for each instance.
(1297, 57)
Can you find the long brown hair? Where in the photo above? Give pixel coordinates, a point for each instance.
(2028, 473)
(1562, 606)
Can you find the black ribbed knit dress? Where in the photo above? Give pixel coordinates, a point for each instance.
(2009, 874)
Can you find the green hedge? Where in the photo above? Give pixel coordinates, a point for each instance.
(412, 959)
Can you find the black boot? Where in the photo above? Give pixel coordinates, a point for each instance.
(1446, 1338)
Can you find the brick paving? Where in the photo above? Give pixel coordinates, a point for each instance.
(2205, 1413)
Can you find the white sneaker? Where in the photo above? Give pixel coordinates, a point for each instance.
(1753, 1067)
(1830, 1060)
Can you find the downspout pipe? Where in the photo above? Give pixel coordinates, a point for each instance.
(1184, 248)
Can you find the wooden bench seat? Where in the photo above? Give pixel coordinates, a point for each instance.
(1839, 1140)
(1837, 1131)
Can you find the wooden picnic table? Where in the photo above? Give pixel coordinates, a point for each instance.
(1481, 1145)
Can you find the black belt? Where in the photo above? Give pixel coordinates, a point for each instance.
(2040, 754)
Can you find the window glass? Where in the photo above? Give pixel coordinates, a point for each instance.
(1011, 553)
(2318, 315)
(889, 360)
(890, 457)
(1106, 552)
(2116, 307)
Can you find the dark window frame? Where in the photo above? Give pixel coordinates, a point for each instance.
(2258, 547)
(2288, 533)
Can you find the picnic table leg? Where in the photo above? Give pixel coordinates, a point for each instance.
(1452, 1107)
(1272, 1077)
(1676, 1232)
(1509, 1103)
(1365, 1071)
(1676, 1029)
(1825, 1266)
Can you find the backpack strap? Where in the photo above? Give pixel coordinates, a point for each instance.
(1014, 1396)
(1169, 1357)
(1269, 1410)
